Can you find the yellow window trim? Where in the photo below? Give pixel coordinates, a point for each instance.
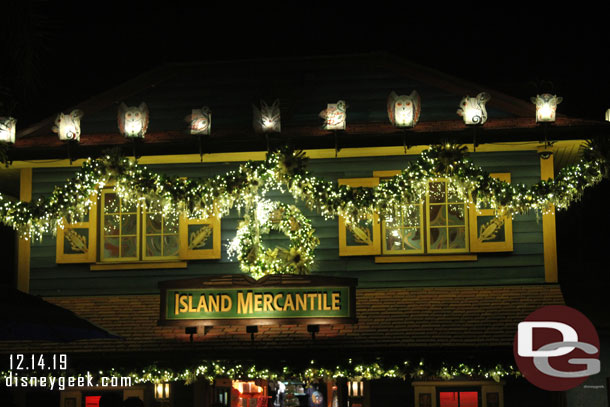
(192, 254)
(478, 246)
(360, 250)
(102, 232)
(426, 258)
(144, 235)
(140, 265)
(429, 228)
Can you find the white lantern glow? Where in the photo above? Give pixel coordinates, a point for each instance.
(200, 121)
(162, 391)
(266, 119)
(8, 127)
(404, 110)
(472, 109)
(546, 107)
(133, 121)
(334, 116)
(355, 388)
(67, 126)
(608, 115)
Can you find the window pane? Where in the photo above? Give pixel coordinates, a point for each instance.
(111, 224)
(437, 191)
(456, 215)
(111, 247)
(111, 203)
(129, 224)
(129, 247)
(154, 223)
(127, 207)
(438, 238)
(170, 224)
(438, 216)
(449, 399)
(469, 399)
(457, 238)
(153, 246)
(170, 245)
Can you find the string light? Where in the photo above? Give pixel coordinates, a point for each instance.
(209, 370)
(285, 170)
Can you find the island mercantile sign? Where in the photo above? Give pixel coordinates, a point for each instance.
(271, 300)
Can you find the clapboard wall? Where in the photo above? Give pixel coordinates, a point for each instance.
(525, 265)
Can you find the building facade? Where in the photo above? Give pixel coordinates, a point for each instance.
(419, 310)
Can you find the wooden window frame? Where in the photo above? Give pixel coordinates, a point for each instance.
(360, 250)
(95, 226)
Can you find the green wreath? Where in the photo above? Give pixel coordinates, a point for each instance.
(259, 261)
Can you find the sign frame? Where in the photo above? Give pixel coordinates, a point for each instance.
(242, 281)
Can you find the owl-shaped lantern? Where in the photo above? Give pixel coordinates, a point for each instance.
(472, 109)
(546, 107)
(67, 126)
(133, 121)
(7, 129)
(266, 119)
(404, 110)
(334, 116)
(200, 121)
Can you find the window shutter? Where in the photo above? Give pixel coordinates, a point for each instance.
(77, 242)
(488, 233)
(363, 239)
(199, 238)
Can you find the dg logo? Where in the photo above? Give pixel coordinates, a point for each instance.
(557, 348)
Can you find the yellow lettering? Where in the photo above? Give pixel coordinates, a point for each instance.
(312, 297)
(176, 298)
(288, 303)
(319, 301)
(183, 305)
(244, 306)
(213, 303)
(227, 303)
(258, 301)
(202, 304)
(336, 301)
(191, 309)
(267, 300)
(301, 301)
(325, 303)
(276, 305)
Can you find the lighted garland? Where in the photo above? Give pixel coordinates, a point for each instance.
(210, 370)
(200, 198)
(248, 247)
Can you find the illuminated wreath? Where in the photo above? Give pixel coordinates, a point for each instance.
(257, 260)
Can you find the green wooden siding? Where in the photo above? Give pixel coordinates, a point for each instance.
(525, 265)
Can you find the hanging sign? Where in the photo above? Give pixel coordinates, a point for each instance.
(274, 299)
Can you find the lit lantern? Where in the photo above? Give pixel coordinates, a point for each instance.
(355, 388)
(546, 107)
(472, 109)
(266, 119)
(162, 391)
(608, 115)
(67, 126)
(334, 116)
(7, 129)
(404, 110)
(200, 121)
(133, 121)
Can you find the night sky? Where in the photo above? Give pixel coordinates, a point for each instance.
(56, 55)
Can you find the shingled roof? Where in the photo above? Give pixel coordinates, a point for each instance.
(304, 87)
(388, 319)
